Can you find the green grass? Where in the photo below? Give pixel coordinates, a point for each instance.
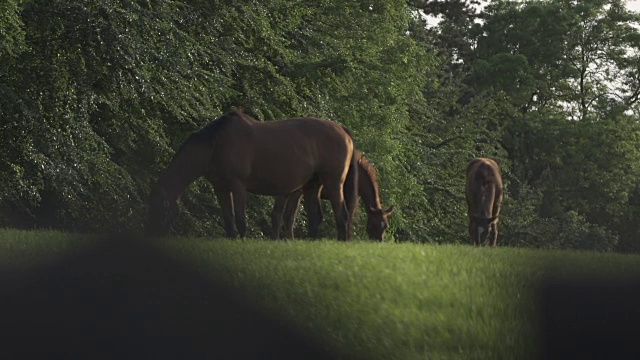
(372, 300)
(23, 250)
(400, 301)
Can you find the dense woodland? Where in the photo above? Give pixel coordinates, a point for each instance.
(97, 95)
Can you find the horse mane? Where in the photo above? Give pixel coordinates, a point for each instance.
(370, 170)
(208, 133)
(346, 129)
(212, 129)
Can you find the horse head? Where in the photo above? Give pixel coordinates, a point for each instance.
(163, 212)
(377, 223)
(483, 228)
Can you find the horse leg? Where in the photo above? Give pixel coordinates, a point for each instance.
(496, 212)
(473, 232)
(314, 210)
(494, 233)
(240, 208)
(290, 212)
(226, 204)
(276, 216)
(334, 192)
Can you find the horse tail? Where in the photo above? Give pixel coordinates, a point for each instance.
(350, 191)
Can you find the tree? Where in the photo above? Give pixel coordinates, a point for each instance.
(112, 89)
(571, 71)
(13, 184)
(577, 58)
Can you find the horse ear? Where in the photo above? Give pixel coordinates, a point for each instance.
(390, 210)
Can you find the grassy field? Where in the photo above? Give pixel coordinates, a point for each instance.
(365, 300)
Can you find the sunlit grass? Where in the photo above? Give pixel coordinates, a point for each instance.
(399, 301)
(385, 300)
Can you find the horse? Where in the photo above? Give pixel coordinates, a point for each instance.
(286, 208)
(238, 154)
(484, 197)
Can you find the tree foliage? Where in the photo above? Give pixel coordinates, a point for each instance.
(111, 89)
(95, 97)
(564, 78)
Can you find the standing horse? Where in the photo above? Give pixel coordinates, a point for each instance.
(484, 196)
(377, 222)
(239, 154)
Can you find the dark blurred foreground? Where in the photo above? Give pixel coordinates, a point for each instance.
(590, 319)
(124, 299)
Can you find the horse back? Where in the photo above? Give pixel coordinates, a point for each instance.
(278, 157)
(484, 187)
(305, 140)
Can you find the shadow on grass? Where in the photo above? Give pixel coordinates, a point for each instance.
(123, 298)
(590, 319)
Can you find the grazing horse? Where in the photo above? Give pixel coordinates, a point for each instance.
(377, 222)
(484, 196)
(238, 154)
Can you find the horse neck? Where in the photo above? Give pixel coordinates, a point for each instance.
(485, 195)
(368, 189)
(183, 170)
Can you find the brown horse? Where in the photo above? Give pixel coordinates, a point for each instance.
(484, 196)
(239, 154)
(377, 222)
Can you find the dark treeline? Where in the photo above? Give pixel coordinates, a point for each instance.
(97, 95)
